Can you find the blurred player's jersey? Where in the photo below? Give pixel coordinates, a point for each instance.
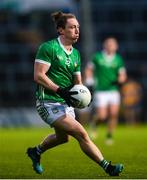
(106, 69)
(63, 66)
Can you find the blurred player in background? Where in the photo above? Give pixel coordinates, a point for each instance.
(132, 94)
(57, 67)
(108, 72)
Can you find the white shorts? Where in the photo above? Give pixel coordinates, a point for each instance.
(105, 98)
(50, 112)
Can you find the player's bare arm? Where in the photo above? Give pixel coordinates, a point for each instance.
(77, 79)
(40, 76)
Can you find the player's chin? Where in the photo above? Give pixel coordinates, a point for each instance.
(75, 39)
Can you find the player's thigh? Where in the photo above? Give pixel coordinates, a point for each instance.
(114, 110)
(61, 134)
(102, 112)
(101, 101)
(70, 126)
(114, 103)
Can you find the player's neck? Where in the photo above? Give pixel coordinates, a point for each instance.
(67, 45)
(109, 53)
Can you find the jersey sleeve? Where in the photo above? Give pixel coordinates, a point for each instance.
(44, 54)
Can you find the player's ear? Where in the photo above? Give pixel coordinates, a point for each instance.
(60, 31)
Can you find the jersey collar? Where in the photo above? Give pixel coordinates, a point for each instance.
(61, 45)
(108, 57)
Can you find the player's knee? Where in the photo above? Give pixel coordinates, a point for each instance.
(102, 118)
(82, 136)
(63, 139)
(113, 116)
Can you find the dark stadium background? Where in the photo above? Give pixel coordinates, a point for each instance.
(25, 24)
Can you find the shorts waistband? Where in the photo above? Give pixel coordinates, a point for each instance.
(48, 101)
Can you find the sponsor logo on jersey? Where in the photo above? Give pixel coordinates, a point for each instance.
(67, 62)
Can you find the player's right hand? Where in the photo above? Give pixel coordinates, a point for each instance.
(66, 95)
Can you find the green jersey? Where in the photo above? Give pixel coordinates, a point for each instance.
(106, 71)
(62, 67)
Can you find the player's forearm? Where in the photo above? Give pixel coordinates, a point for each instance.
(78, 79)
(46, 82)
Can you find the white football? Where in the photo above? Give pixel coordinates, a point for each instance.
(83, 97)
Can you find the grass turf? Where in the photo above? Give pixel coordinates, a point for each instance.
(67, 161)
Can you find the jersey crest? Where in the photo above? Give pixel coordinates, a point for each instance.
(67, 62)
(75, 64)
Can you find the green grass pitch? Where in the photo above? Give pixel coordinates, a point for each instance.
(67, 161)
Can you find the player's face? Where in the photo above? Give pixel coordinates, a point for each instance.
(110, 46)
(71, 31)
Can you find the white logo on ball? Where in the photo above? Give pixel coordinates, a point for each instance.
(82, 98)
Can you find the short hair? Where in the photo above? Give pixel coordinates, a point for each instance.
(60, 18)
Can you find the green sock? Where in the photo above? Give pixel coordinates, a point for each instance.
(38, 150)
(104, 164)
